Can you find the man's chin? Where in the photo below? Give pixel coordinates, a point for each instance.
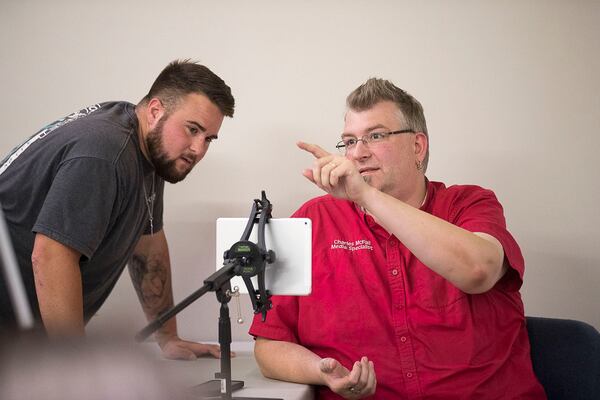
(370, 180)
(373, 182)
(173, 176)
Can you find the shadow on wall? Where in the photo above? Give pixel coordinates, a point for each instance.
(562, 286)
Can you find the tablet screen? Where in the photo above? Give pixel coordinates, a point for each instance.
(289, 238)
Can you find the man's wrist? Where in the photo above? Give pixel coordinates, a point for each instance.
(320, 375)
(162, 338)
(367, 197)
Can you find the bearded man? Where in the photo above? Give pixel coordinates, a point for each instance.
(83, 197)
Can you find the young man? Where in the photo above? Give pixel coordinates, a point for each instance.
(84, 196)
(415, 284)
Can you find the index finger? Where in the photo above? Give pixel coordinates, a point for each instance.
(314, 149)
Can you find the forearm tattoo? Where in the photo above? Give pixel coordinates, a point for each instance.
(151, 281)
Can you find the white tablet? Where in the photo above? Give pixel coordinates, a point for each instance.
(289, 238)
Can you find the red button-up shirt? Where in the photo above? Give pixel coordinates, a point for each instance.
(372, 297)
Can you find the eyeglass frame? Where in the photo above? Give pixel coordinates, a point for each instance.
(342, 147)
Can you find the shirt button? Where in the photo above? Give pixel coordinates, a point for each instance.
(409, 375)
(403, 339)
(394, 272)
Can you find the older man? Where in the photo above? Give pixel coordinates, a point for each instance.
(415, 284)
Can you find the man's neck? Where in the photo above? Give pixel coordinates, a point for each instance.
(418, 196)
(142, 130)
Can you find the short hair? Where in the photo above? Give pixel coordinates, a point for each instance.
(182, 77)
(376, 90)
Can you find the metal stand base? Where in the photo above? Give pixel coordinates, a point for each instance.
(211, 390)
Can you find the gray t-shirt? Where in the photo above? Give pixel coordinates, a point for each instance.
(81, 181)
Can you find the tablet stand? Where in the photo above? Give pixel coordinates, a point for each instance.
(245, 259)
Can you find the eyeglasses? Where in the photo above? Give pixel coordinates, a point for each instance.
(349, 143)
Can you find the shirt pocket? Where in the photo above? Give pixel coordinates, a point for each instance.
(430, 290)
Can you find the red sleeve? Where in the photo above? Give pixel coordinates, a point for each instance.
(281, 322)
(478, 210)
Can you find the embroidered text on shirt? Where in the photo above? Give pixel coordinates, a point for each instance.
(360, 244)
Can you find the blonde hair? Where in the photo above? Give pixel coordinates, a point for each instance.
(376, 90)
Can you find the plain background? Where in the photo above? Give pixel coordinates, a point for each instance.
(510, 91)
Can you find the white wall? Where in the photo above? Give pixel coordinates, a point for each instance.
(510, 90)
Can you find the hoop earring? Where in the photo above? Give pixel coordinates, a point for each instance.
(419, 165)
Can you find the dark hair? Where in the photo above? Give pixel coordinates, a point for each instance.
(182, 77)
(376, 90)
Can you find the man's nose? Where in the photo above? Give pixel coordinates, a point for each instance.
(361, 150)
(199, 144)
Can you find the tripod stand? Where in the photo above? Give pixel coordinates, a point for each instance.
(245, 259)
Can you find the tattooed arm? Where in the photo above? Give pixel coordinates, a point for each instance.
(150, 271)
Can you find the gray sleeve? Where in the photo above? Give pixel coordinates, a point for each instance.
(78, 207)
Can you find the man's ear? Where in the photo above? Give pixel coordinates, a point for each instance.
(421, 145)
(154, 112)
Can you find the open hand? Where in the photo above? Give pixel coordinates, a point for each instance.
(356, 384)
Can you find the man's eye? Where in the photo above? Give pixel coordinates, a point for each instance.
(350, 142)
(377, 135)
(193, 130)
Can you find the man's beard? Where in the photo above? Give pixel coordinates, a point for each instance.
(165, 167)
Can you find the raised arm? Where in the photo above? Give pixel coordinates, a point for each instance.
(294, 363)
(473, 262)
(150, 271)
(58, 286)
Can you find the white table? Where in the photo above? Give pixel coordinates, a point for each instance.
(243, 367)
